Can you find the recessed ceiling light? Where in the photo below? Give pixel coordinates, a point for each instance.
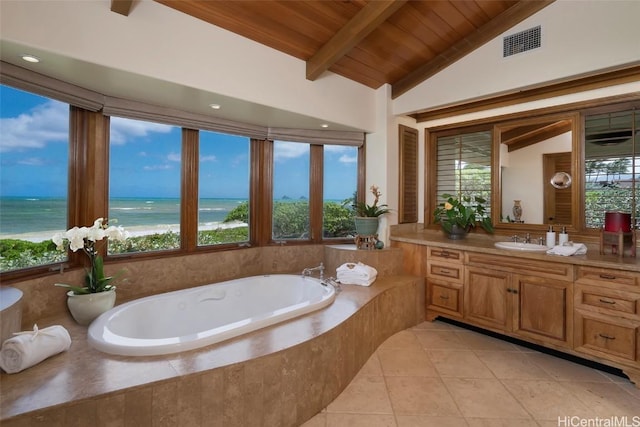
(215, 106)
(324, 125)
(30, 58)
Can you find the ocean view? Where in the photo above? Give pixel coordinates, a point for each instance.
(28, 215)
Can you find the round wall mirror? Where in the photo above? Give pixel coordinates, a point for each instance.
(561, 180)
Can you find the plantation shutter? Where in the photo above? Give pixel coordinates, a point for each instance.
(408, 171)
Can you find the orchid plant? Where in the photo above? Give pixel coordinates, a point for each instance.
(86, 238)
(364, 210)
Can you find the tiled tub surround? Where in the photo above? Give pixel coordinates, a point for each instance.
(281, 375)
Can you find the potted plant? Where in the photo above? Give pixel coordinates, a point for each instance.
(98, 293)
(367, 216)
(458, 215)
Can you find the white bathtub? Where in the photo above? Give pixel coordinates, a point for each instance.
(196, 317)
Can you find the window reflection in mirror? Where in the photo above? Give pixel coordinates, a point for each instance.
(612, 165)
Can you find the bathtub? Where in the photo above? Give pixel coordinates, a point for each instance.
(196, 317)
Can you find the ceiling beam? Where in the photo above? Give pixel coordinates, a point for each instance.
(362, 24)
(507, 19)
(123, 7)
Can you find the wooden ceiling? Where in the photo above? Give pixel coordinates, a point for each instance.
(372, 42)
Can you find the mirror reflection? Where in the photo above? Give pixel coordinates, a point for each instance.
(532, 154)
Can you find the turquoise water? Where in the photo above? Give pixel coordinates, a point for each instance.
(34, 214)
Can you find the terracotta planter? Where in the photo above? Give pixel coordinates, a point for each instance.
(85, 308)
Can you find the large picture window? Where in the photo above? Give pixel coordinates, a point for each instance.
(223, 205)
(34, 147)
(144, 184)
(340, 186)
(290, 191)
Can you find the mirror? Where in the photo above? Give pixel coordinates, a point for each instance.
(536, 160)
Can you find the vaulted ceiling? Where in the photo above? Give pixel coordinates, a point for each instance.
(372, 42)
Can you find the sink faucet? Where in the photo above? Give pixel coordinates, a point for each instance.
(307, 271)
(527, 238)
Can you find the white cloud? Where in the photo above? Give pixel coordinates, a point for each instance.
(32, 161)
(173, 157)
(289, 150)
(208, 159)
(348, 159)
(46, 123)
(122, 130)
(157, 167)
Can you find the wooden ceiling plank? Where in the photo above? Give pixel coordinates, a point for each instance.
(123, 7)
(366, 21)
(492, 29)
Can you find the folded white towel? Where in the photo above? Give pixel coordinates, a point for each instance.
(568, 250)
(29, 348)
(351, 273)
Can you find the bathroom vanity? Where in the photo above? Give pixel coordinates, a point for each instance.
(586, 305)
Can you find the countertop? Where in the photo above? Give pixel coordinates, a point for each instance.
(485, 243)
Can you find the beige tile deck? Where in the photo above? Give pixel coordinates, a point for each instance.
(440, 375)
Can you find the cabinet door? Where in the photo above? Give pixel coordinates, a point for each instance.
(487, 298)
(543, 309)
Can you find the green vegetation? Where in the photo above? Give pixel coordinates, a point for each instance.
(291, 221)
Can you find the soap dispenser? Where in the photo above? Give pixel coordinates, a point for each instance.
(563, 237)
(551, 237)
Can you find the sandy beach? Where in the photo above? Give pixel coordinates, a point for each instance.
(135, 231)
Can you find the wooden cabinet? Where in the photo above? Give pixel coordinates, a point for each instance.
(445, 276)
(607, 316)
(515, 299)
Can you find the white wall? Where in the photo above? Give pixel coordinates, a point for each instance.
(577, 37)
(522, 177)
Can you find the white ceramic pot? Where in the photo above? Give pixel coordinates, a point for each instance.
(85, 308)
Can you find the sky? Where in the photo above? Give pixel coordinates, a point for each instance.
(145, 157)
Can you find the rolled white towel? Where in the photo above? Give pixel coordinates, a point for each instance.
(568, 250)
(29, 348)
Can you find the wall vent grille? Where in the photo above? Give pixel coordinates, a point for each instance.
(521, 42)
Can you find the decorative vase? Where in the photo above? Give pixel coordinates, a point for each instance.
(517, 211)
(366, 226)
(457, 233)
(85, 308)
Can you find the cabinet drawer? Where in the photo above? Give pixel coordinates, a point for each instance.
(445, 297)
(450, 272)
(548, 269)
(607, 300)
(608, 277)
(601, 335)
(448, 255)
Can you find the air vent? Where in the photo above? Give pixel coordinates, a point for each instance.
(521, 42)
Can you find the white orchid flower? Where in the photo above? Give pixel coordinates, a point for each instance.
(76, 238)
(58, 239)
(116, 233)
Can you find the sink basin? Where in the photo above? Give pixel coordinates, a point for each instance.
(520, 246)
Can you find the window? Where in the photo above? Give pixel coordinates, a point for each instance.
(464, 165)
(612, 165)
(290, 190)
(339, 187)
(144, 184)
(223, 205)
(34, 143)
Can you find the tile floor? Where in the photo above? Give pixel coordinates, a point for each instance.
(438, 374)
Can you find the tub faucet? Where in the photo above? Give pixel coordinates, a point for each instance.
(307, 271)
(333, 282)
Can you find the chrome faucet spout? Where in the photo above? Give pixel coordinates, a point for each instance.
(307, 271)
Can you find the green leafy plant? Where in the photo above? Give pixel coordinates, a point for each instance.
(465, 213)
(86, 238)
(363, 210)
